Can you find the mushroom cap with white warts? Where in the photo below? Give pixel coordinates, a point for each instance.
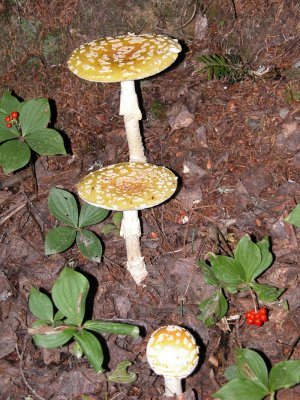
(172, 352)
(123, 58)
(128, 186)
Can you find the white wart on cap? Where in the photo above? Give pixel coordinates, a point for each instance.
(128, 186)
(122, 58)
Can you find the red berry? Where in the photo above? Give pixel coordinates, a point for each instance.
(248, 314)
(14, 114)
(262, 311)
(264, 318)
(7, 119)
(9, 125)
(250, 321)
(258, 322)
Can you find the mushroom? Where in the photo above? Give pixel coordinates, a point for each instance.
(129, 187)
(125, 59)
(173, 353)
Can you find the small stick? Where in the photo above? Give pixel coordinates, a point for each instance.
(34, 178)
(253, 298)
(13, 212)
(29, 387)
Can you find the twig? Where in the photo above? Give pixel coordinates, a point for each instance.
(13, 212)
(34, 178)
(28, 213)
(253, 298)
(36, 219)
(187, 230)
(29, 387)
(191, 18)
(160, 228)
(234, 9)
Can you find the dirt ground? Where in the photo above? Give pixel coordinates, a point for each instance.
(235, 147)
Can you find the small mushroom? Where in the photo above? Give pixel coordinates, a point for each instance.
(173, 353)
(129, 187)
(125, 59)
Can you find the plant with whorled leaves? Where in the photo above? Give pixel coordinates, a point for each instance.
(238, 273)
(54, 329)
(23, 129)
(249, 378)
(63, 206)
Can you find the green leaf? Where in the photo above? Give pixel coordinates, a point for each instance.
(231, 372)
(46, 141)
(231, 288)
(117, 328)
(59, 239)
(248, 254)
(5, 132)
(54, 340)
(14, 154)
(117, 218)
(213, 308)
(63, 206)
(240, 389)
(89, 245)
(267, 257)
(40, 305)
(294, 216)
(91, 215)
(228, 270)
(58, 316)
(266, 293)
(77, 350)
(250, 365)
(40, 322)
(120, 374)
(208, 273)
(284, 374)
(69, 295)
(91, 348)
(35, 114)
(9, 103)
(109, 228)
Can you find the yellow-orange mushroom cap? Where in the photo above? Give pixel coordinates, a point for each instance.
(123, 58)
(128, 186)
(172, 352)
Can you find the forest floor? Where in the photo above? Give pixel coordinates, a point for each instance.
(235, 145)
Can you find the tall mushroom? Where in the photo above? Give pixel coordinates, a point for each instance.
(125, 59)
(173, 353)
(129, 187)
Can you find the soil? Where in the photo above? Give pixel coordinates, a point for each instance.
(235, 146)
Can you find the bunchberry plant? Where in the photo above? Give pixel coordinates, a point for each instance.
(63, 206)
(294, 216)
(249, 378)
(56, 328)
(233, 274)
(23, 129)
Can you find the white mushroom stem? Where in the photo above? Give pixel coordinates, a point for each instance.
(129, 108)
(131, 232)
(172, 386)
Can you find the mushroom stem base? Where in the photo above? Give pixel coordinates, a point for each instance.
(131, 231)
(172, 386)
